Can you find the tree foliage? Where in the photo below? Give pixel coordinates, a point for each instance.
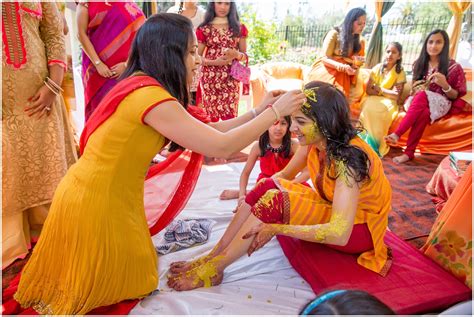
(261, 41)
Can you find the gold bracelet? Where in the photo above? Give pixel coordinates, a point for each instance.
(51, 88)
(54, 84)
(275, 111)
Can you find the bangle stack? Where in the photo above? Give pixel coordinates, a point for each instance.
(53, 86)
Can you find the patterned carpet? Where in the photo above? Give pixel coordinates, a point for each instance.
(413, 211)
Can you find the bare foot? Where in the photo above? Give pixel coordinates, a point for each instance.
(220, 160)
(185, 266)
(229, 194)
(206, 275)
(401, 159)
(392, 139)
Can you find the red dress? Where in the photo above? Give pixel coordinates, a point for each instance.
(220, 92)
(272, 163)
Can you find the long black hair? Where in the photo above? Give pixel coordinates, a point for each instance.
(398, 64)
(159, 50)
(233, 16)
(350, 42)
(330, 111)
(421, 65)
(264, 140)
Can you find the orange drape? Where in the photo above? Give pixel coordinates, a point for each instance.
(454, 28)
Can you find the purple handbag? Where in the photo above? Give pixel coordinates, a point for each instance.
(239, 71)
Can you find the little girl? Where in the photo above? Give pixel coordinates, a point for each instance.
(222, 39)
(275, 148)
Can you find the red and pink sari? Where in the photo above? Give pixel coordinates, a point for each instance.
(112, 28)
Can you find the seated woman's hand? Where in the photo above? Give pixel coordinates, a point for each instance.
(262, 233)
(439, 79)
(290, 102)
(349, 70)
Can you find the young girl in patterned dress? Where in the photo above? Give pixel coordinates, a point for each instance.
(221, 39)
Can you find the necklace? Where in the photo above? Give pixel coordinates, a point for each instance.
(275, 150)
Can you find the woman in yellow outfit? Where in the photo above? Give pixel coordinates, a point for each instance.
(380, 105)
(347, 210)
(96, 249)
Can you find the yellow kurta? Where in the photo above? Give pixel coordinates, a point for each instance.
(378, 112)
(95, 248)
(36, 152)
(308, 208)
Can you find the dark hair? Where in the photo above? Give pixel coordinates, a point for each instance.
(398, 64)
(351, 302)
(159, 50)
(420, 66)
(233, 16)
(264, 140)
(347, 39)
(330, 111)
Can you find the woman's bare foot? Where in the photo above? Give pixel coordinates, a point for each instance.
(392, 139)
(180, 267)
(401, 159)
(229, 194)
(219, 160)
(206, 275)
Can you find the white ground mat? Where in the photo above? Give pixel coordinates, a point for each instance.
(264, 283)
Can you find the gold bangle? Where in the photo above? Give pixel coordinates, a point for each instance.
(275, 111)
(51, 88)
(54, 84)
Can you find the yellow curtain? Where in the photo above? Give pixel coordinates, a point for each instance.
(454, 28)
(154, 7)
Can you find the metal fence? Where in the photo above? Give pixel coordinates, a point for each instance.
(410, 34)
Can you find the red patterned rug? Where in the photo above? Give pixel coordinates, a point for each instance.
(413, 212)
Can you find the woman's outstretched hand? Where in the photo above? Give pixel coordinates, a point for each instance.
(269, 99)
(289, 102)
(262, 233)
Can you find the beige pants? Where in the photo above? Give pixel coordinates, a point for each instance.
(18, 230)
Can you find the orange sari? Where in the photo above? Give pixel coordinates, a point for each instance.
(331, 49)
(309, 206)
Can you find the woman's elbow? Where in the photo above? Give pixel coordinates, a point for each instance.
(341, 239)
(222, 151)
